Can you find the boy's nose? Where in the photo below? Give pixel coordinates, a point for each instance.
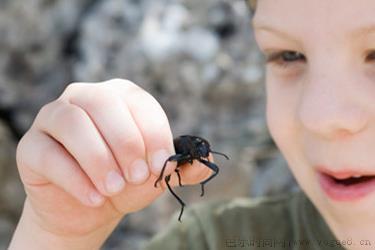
(332, 108)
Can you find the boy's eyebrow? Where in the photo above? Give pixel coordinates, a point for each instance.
(358, 32)
(363, 30)
(275, 30)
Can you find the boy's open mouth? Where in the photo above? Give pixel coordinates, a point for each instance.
(346, 187)
(353, 180)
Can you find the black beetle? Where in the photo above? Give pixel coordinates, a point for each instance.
(189, 148)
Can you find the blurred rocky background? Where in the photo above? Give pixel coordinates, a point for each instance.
(198, 58)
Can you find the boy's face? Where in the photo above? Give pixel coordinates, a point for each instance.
(321, 102)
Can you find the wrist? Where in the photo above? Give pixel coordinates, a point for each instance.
(30, 235)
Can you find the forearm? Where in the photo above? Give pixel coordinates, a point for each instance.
(29, 235)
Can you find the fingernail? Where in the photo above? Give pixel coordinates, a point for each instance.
(96, 198)
(158, 160)
(114, 182)
(138, 171)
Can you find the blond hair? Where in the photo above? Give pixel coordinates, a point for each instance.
(252, 5)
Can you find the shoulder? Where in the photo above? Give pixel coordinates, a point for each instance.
(252, 206)
(247, 203)
(260, 217)
(211, 224)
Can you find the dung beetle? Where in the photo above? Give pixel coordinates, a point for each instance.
(189, 148)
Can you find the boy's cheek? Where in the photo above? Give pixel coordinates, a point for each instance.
(281, 124)
(285, 131)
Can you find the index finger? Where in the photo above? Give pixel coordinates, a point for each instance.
(152, 122)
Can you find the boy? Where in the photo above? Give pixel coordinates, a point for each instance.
(319, 83)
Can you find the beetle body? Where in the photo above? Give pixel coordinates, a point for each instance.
(189, 148)
(193, 146)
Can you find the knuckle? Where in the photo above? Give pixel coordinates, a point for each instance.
(126, 85)
(69, 114)
(154, 104)
(45, 108)
(45, 111)
(98, 97)
(73, 87)
(70, 89)
(142, 95)
(122, 83)
(20, 150)
(61, 115)
(38, 160)
(46, 115)
(104, 96)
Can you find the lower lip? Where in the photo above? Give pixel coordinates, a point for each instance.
(341, 192)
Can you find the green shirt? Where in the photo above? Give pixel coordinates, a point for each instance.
(287, 221)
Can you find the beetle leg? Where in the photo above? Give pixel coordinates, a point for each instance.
(179, 177)
(167, 178)
(171, 158)
(213, 167)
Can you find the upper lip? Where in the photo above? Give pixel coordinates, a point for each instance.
(344, 173)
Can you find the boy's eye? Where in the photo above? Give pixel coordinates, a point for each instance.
(284, 58)
(371, 56)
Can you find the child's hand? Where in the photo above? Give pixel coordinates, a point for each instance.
(93, 155)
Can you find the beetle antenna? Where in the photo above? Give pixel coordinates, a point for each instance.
(214, 152)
